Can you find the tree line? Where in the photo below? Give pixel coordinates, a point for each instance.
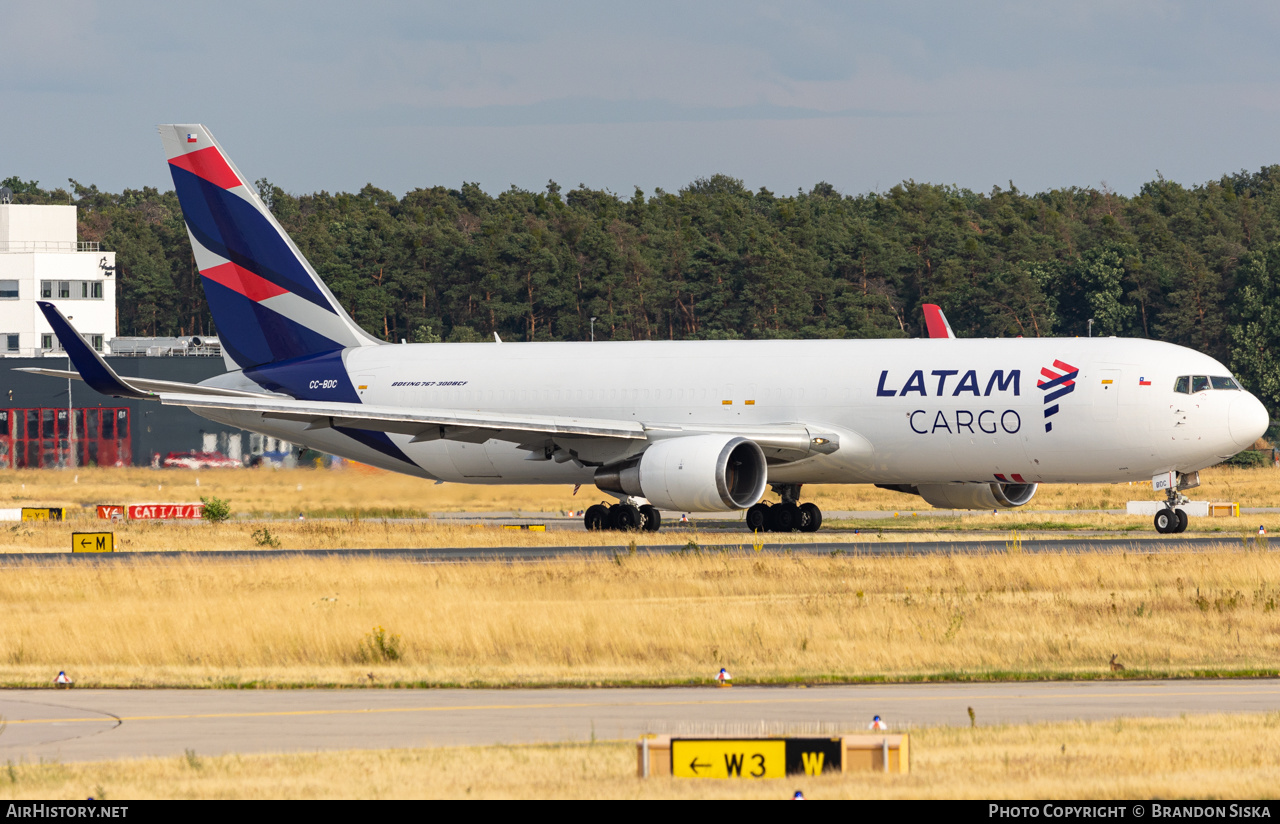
(1194, 265)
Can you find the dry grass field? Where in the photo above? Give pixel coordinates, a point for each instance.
(670, 618)
(357, 490)
(1205, 757)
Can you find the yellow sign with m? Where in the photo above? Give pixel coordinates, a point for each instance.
(93, 542)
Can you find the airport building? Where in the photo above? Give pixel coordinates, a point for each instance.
(46, 422)
(42, 259)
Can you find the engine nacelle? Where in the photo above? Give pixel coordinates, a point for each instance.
(698, 473)
(977, 496)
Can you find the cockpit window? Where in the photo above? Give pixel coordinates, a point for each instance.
(1189, 384)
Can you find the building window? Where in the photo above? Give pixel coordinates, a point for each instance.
(10, 343)
(64, 288)
(95, 341)
(48, 343)
(8, 290)
(46, 288)
(84, 288)
(95, 289)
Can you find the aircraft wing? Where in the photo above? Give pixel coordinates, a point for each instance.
(784, 442)
(147, 388)
(423, 424)
(536, 433)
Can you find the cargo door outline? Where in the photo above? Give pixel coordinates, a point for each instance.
(1106, 395)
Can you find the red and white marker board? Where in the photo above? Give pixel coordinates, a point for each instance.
(164, 512)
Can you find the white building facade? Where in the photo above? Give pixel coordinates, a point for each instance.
(42, 259)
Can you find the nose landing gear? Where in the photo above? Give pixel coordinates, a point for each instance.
(787, 516)
(1171, 520)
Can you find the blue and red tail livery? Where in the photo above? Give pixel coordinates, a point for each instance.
(267, 302)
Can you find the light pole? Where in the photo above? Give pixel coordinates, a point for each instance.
(593, 330)
(1090, 327)
(71, 416)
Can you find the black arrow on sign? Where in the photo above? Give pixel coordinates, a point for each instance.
(84, 541)
(694, 765)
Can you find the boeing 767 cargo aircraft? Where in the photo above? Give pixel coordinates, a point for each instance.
(677, 425)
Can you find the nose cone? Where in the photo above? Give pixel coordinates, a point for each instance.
(1248, 420)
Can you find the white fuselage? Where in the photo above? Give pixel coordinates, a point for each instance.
(905, 411)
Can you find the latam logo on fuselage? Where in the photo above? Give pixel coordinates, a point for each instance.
(1059, 385)
(957, 384)
(999, 381)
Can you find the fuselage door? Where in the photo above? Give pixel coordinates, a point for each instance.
(1106, 399)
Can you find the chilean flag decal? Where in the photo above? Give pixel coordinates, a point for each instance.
(191, 138)
(1143, 382)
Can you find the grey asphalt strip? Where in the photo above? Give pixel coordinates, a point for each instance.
(457, 554)
(83, 725)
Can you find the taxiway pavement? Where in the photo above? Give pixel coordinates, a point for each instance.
(851, 545)
(84, 725)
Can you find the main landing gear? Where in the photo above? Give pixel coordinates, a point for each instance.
(787, 516)
(1172, 520)
(622, 518)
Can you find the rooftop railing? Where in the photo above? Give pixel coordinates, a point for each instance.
(50, 246)
(165, 348)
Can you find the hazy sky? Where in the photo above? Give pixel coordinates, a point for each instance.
(327, 95)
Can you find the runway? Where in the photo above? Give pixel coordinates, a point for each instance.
(85, 725)
(867, 545)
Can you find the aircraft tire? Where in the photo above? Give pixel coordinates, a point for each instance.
(784, 517)
(810, 517)
(625, 517)
(596, 518)
(1166, 521)
(758, 518)
(652, 518)
(1182, 521)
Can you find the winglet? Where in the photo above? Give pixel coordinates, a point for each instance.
(936, 322)
(87, 362)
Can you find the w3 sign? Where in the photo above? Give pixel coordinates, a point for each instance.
(755, 758)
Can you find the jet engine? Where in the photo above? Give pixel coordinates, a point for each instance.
(971, 495)
(697, 473)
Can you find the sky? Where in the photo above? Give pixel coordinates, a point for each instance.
(323, 95)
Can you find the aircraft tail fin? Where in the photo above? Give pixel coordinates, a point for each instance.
(936, 322)
(267, 302)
